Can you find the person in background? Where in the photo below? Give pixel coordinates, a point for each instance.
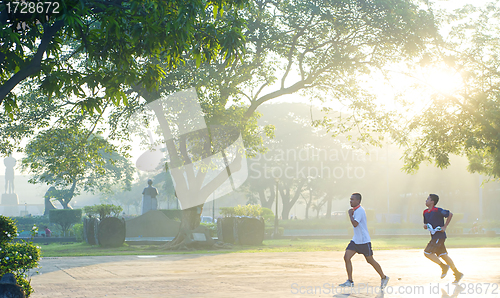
(47, 231)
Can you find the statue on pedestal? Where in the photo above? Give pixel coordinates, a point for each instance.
(149, 201)
(9, 163)
(10, 197)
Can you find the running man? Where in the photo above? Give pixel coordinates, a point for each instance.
(360, 243)
(434, 222)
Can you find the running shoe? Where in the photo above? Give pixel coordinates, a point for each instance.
(383, 282)
(458, 277)
(445, 269)
(348, 283)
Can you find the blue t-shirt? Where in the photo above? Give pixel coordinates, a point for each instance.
(435, 217)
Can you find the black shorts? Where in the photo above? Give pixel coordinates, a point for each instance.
(364, 249)
(436, 246)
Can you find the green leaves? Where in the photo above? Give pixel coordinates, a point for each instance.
(8, 230)
(65, 217)
(122, 40)
(74, 156)
(465, 122)
(10, 106)
(102, 211)
(16, 258)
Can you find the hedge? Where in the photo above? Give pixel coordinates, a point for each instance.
(65, 217)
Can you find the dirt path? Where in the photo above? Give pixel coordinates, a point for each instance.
(291, 274)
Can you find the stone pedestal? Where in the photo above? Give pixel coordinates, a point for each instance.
(10, 199)
(10, 204)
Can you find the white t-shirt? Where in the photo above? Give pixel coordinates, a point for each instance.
(361, 234)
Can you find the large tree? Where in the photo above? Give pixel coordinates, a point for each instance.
(325, 44)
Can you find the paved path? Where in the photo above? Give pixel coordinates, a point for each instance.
(261, 275)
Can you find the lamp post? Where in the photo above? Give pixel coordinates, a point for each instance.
(480, 197)
(276, 222)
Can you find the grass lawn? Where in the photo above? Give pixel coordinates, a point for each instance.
(280, 245)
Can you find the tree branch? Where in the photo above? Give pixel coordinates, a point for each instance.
(36, 63)
(255, 104)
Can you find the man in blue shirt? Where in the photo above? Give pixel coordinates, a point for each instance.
(434, 222)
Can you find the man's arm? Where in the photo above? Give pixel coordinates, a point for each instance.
(353, 222)
(447, 222)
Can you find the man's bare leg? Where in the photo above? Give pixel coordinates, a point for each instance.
(448, 261)
(458, 274)
(434, 258)
(348, 264)
(375, 265)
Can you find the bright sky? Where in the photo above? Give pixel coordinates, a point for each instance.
(436, 78)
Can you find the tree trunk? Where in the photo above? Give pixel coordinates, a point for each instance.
(285, 214)
(67, 195)
(308, 203)
(264, 202)
(65, 204)
(190, 220)
(329, 208)
(287, 200)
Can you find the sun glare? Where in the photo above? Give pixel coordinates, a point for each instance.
(441, 80)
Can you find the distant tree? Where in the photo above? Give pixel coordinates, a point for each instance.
(318, 206)
(302, 157)
(75, 158)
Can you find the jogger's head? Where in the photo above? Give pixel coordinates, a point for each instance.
(432, 200)
(355, 199)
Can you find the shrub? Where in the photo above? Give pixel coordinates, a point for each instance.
(26, 223)
(226, 211)
(65, 218)
(248, 210)
(78, 231)
(212, 227)
(16, 258)
(102, 211)
(8, 229)
(267, 215)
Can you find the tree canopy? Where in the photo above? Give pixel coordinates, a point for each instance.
(75, 159)
(94, 50)
(466, 121)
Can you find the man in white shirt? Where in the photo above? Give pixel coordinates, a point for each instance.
(360, 243)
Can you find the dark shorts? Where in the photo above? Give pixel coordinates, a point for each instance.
(436, 246)
(364, 249)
